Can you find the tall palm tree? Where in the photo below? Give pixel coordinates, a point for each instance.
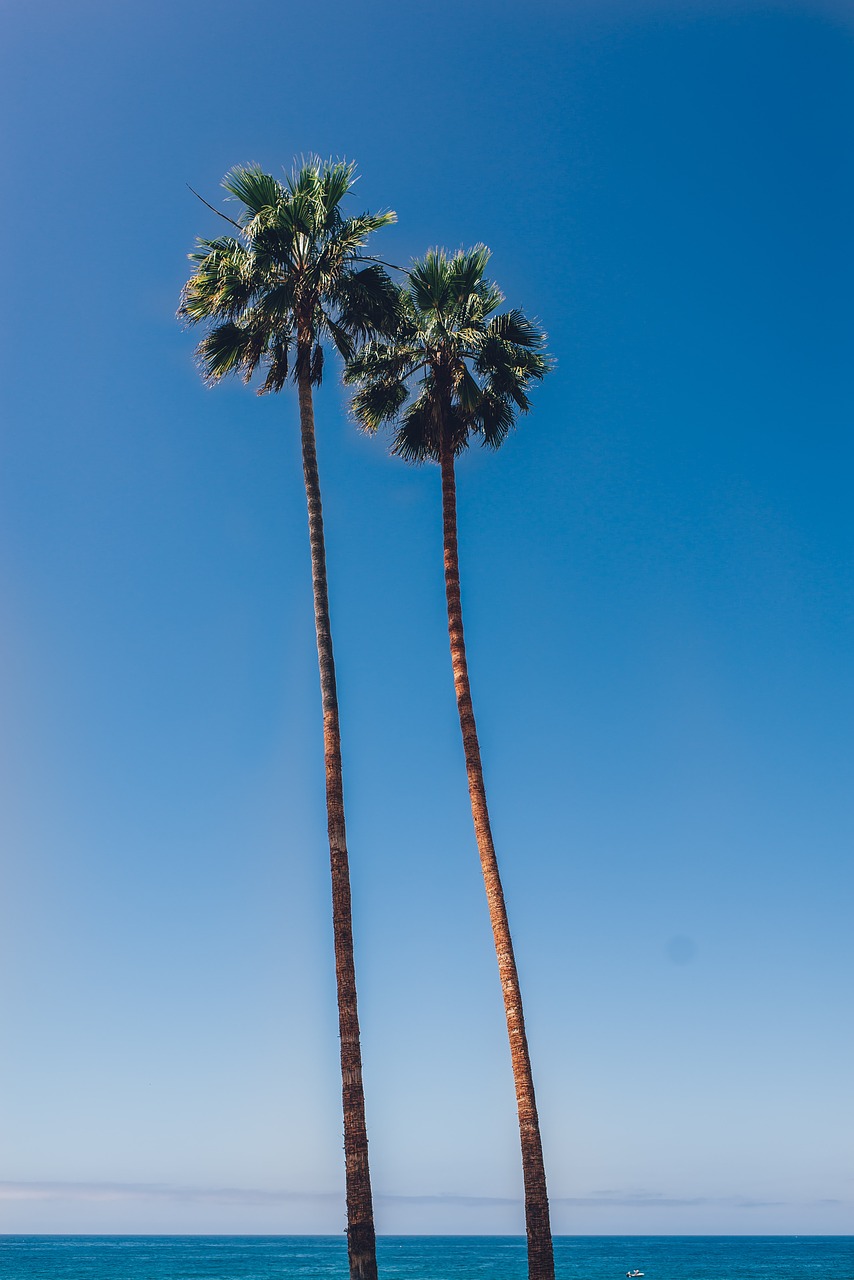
(453, 371)
(292, 276)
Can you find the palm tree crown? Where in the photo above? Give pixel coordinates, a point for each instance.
(293, 275)
(475, 366)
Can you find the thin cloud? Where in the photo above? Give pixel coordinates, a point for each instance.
(657, 1200)
(100, 1192)
(97, 1192)
(449, 1198)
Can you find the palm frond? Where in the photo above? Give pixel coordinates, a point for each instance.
(368, 302)
(378, 402)
(469, 394)
(383, 361)
(221, 285)
(317, 365)
(494, 419)
(489, 296)
(277, 303)
(428, 281)
(512, 354)
(469, 338)
(337, 179)
(230, 348)
(278, 361)
(514, 326)
(260, 193)
(465, 272)
(340, 336)
(354, 233)
(504, 375)
(416, 438)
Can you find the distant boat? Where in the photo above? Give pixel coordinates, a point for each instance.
(633, 1274)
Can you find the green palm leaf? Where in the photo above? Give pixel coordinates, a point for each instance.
(230, 348)
(379, 402)
(260, 193)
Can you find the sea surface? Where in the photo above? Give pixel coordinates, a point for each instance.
(423, 1257)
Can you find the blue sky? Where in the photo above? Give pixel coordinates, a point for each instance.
(657, 584)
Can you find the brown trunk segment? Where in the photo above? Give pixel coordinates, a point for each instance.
(540, 1250)
(361, 1238)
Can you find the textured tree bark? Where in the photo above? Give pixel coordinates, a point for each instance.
(361, 1237)
(540, 1251)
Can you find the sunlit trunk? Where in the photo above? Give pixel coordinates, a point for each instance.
(540, 1252)
(361, 1238)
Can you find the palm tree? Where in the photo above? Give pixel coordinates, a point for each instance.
(455, 370)
(293, 275)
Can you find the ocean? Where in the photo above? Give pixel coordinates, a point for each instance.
(423, 1257)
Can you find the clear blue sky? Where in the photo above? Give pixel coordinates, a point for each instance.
(657, 583)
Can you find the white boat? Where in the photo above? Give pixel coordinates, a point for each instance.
(632, 1275)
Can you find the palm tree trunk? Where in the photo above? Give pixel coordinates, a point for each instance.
(540, 1252)
(361, 1238)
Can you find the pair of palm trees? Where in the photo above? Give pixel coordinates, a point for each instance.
(433, 359)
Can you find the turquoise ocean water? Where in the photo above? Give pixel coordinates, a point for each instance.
(423, 1257)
